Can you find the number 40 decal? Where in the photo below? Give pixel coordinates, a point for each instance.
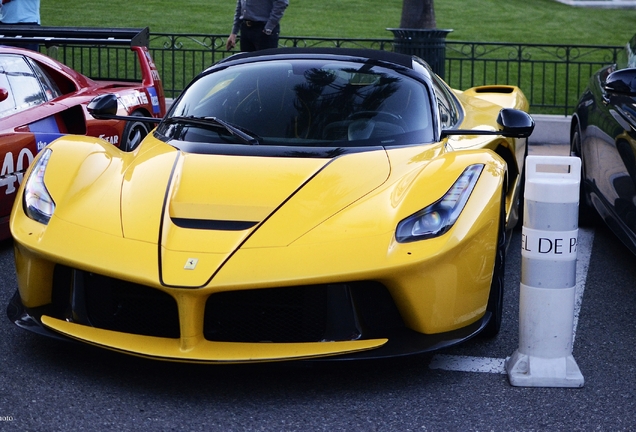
(14, 171)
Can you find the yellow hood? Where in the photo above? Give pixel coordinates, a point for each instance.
(196, 209)
(212, 204)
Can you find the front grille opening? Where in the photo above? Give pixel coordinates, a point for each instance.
(126, 307)
(313, 313)
(112, 304)
(296, 314)
(61, 292)
(377, 312)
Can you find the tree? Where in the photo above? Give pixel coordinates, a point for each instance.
(418, 14)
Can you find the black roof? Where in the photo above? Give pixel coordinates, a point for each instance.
(377, 55)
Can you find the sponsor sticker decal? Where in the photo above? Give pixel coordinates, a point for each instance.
(154, 99)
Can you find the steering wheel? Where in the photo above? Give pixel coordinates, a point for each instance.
(385, 116)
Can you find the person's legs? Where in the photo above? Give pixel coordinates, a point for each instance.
(268, 41)
(253, 38)
(247, 41)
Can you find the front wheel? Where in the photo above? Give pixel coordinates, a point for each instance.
(496, 297)
(587, 213)
(134, 132)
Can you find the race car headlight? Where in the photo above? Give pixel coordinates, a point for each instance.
(438, 218)
(36, 201)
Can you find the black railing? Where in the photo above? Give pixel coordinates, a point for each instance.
(551, 76)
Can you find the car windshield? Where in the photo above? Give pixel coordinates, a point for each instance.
(302, 103)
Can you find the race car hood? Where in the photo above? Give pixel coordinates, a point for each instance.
(208, 206)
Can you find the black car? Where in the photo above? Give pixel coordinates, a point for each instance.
(603, 135)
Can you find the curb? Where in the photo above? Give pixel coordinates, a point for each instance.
(608, 4)
(551, 129)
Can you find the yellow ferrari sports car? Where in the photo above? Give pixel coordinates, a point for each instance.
(293, 204)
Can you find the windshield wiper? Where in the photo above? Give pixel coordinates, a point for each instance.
(214, 121)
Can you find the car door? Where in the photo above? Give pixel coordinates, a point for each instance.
(611, 131)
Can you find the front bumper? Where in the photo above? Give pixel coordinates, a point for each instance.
(397, 341)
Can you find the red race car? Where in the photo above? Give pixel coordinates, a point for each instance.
(42, 99)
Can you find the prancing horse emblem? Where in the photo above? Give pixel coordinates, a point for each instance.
(191, 263)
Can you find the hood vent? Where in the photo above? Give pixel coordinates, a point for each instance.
(217, 225)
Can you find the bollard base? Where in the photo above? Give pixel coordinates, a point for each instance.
(529, 371)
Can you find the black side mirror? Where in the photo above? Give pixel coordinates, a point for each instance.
(515, 123)
(103, 105)
(622, 81)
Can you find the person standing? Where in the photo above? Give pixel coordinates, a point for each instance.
(21, 12)
(25, 12)
(258, 22)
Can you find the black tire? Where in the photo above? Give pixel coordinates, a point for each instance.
(522, 192)
(588, 216)
(134, 133)
(521, 199)
(496, 297)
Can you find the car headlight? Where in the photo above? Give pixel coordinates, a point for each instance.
(438, 218)
(36, 201)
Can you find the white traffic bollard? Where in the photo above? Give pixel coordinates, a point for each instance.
(548, 276)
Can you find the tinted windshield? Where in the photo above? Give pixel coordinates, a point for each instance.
(305, 103)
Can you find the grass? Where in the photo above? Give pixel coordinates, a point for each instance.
(522, 21)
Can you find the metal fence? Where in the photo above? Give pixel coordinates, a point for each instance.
(551, 76)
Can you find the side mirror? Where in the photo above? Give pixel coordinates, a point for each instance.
(103, 105)
(622, 81)
(515, 123)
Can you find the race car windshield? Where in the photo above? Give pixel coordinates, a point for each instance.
(305, 103)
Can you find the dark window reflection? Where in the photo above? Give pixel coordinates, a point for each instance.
(306, 103)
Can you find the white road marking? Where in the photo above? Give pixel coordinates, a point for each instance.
(497, 365)
(467, 363)
(584, 252)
